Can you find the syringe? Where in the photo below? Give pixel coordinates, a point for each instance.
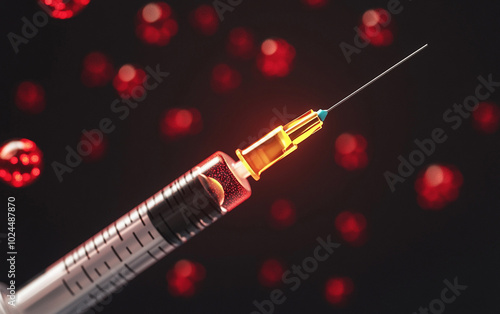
(114, 256)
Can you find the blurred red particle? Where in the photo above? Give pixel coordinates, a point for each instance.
(350, 151)
(20, 162)
(129, 81)
(241, 43)
(180, 122)
(282, 213)
(437, 186)
(184, 278)
(97, 70)
(276, 58)
(337, 290)
(376, 27)
(315, 3)
(486, 118)
(224, 78)
(30, 97)
(63, 9)
(155, 24)
(270, 273)
(97, 148)
(205, 20)
(352, 227)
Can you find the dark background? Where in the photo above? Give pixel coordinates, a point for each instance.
(409, 252)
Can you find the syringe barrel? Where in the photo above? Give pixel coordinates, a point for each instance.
(87, 276)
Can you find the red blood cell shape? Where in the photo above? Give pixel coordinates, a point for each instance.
(205, 20)
(20, 162)
(129, 81)
(155, 24)
(97, 70)
(350, 151)
(338, 290)
(63, 9)
(241, 43)
(352, 227)
(178, 122)
(184, 278)
(486, 118)
(30, 97)
(437, 186)
(224, 78)
(270, 273)
(283, 214)
(376, 27)
(275, 58)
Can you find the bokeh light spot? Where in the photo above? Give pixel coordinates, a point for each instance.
(283, 213)
(276, 57)
(486, 118)
(129, 79)
(352, 227)
(350, 151)
(338, 290)
(185, 278)
(63, 9)
(437, 186)
(205, 20)
(377, 27)
(97, 70)
(177, 122)
(155, 24)
(224, 78)
(20, 162)
(30, 97)
(315, 4)
(271, 272)
(241, 43)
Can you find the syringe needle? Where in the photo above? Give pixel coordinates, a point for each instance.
(377, 77)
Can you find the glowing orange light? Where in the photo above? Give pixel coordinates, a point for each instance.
(224, 78)
(205, 20)
(276, 57)
(437, 186)
(350, 151)
(283, 213)
(180, 122)
(97, 70)
(315, 3)
(271, 272)
(241, 43)
(30, 97)
(129, 81)
(155, 24)
(352, 227)
(17, 167)
(486, 118)
(337, 290)
(63, 9)
(184, 278)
